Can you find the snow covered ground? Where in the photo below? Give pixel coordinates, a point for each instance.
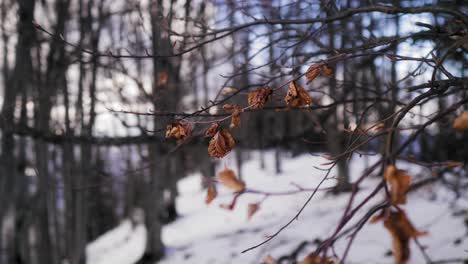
(209, 234)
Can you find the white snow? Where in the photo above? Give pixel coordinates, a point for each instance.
(125, 244)
(210, 234)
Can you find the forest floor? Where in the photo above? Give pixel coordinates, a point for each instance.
(205, 234)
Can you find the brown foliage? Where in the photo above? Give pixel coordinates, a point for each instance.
(228, 178)
(399, 182)
(179, 130)
(258, 98)
(269, 260)
(401, 230)
(211, 131)
(221, 144)
(312, 258)
(315, 69)
(210, 194)
(297, 96)
(460, 124)
(252, 208)
(235, 111)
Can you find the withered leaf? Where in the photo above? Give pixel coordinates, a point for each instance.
(315, 70)
(297, 96)
(235, 119)
(252, 208)
(162, 78)
(399, 182)
(178, 129)
(327, 71)
(235, 111)
(312, 258)
(269, 260)
(211, 131)
(401, 230)
(221, 144)
(228, 178)
(460, 123)
(453, 164)
(258, 98)
(312, 72)
(210, 194)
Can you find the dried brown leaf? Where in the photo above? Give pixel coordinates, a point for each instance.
(460, 124)
(399, 182)
(312, 258)
(162, 78)
(178, 129)
(269, 260)
(221, 144)
(258, 98)
(312, 72)
(327, 71)
(252, 208)
(228, 178)
(210, 194)
(235, 119)
(453, 164)
(211, 131)
(297, 96)
(401, 230)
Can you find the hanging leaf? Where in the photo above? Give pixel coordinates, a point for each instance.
(312, 258)
(315, 70)
(210, 194)
(178, 129)
(402, 231)
(252, 208)
(297, 96)
(221, 144)
(453, 164)
(228, 178)
(235, 111)
(461, 122)
(211, 131)
(162, 78)
(269, 260)
(235, 119)
(258, 98)
(327, 71)
(399, 182)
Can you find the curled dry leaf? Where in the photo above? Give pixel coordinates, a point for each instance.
(221, 144)
(210, 194)
(269, 260)
(297, 96)
(228, 178)
(162, 78)
(312, 258)
(401, 230)
(399, 182)
(252, 208)
(235, 111)
(235, 119)
(211, 131)
(460, 123)
(178, 129)
(315, 69)
(327, 71)
(258, 98)
(312, 72)
(453, 164)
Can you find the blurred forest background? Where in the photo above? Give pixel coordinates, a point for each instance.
(88, 87)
